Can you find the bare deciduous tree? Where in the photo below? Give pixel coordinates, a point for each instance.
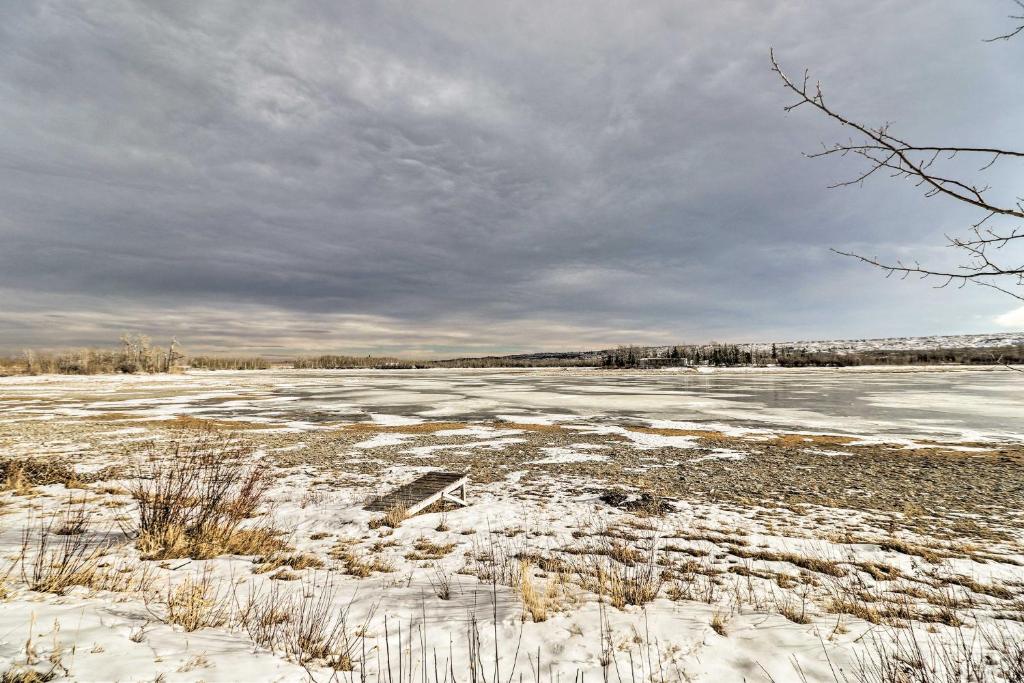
(990, 248)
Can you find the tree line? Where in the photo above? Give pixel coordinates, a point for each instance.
(697, 354)
(730, 355)
(138, 354)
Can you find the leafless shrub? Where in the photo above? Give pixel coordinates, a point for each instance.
(194, 496)
(304, 625)
(497, 561)
(441, 582)
(52, 564)
(75, 519)
(136, 354)
(228, 363)
(1010, 649)
(263, 613)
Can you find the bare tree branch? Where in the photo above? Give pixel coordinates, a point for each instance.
(1011, 34)
(884, 150)
(898, 158)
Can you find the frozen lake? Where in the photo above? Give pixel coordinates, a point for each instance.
(953, 404)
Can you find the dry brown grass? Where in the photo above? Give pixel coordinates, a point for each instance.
(14, 478)
(24, 674)
(880, 571)
(356, 563)
(21, 475)
(718, 623)
(208, 542)
(537, 603)
(793, 609)
(711, 536)
(392, 518)
(371, 428)
(991, 589)
(620, 552)
(814, 564)
(712, 435)
(624, 585)
(188, 422)
(424, 549)
(907, 548)
(195, 603)
(893, 608)
(295, 562)
(797, 440)
(526, 427)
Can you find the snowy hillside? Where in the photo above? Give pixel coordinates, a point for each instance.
(960, 341)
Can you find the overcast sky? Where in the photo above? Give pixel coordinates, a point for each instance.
(441, 178)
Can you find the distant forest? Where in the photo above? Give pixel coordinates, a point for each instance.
(137, 354)
(726, 355)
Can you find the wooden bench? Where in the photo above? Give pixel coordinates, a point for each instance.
(423, 492)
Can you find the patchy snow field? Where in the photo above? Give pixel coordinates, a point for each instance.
(816, 525)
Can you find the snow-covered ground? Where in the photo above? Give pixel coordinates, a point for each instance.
(954, 341)
(623, 526)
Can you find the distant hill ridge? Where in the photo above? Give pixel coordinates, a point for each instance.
(934, 342)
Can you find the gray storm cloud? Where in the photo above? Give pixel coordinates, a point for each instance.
(467, 177)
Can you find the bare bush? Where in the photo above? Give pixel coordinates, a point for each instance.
(52, 563)
(305, 625)
(441, 582)
(194, 495)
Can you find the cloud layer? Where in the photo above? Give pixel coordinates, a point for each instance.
(455, 177)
